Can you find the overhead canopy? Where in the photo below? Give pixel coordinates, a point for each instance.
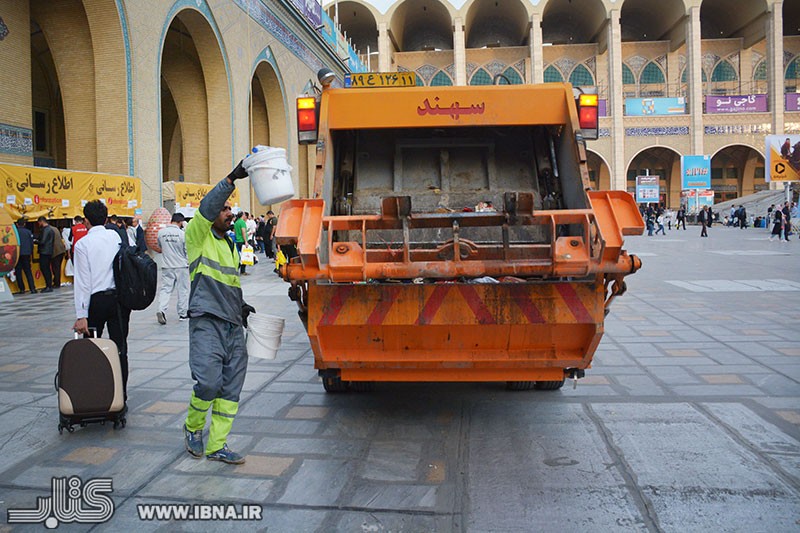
(55, 193)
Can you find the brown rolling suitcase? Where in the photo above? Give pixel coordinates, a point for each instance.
(89, 384)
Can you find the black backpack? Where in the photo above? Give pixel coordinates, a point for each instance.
(136, 278)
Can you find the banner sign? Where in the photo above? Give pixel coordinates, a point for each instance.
(751, 103)
(695, 172)
(792, 101)
(783, 158)
(636, 107)
(695, 199)
(54, 193)
(190, 194)
(311, 10)
(647, 189)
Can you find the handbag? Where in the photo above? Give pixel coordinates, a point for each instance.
(248, 257)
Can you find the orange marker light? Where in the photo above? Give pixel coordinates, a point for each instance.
(588, 100)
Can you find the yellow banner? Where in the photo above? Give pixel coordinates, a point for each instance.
(33, 192)
(190, 194)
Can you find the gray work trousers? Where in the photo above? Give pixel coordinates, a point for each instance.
(217, 358)
(172, 278)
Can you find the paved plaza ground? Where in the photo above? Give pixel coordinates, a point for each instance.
(688, 421)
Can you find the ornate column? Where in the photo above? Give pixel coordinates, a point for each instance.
(384, 48)
(616, 102)
(537, 55)
(459, 52)
(694, 62)
(775, 66)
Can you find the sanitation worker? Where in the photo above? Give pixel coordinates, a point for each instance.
(217, 312)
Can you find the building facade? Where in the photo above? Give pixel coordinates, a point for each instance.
(675, 77)
(175, 90)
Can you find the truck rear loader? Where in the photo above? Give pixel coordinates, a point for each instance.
(453, 235)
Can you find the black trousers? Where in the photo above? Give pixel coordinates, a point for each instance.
(24, 265)
(44, 266)
(55, 267)
(104, 310)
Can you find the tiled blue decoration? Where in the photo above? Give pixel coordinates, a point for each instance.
(604, 132)
(657, 131)
(738, 129)
(48, 162)
(263, 16)
(16, 140)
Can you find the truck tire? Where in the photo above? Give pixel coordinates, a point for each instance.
(334, 385)
(519, 385)
(548, 385)
(362, 386)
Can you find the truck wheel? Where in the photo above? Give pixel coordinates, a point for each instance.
(519, 385)
(548, 385)
(362, 386)
(335, 384)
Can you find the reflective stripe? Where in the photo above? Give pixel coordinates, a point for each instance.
(222, 414)
(228, 280)
(231, 271)
(198, 409)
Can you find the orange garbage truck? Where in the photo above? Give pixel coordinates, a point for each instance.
(452, 234)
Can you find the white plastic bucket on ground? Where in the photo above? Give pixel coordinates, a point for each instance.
(270, 174)
(264, 335)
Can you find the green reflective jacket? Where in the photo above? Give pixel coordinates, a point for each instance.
(213, 262)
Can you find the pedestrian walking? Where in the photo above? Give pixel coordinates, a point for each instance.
(770, 209)
(174, 269)
(681, 217)
(787, 221)
(777, 225)
(59, 251)
(240, 236)
(24, 262)
(96, 304)
(138, 234)
(660, 222)
(272, 224)
(702, 218)
(742, 217)
(46, 242)
(217, 312)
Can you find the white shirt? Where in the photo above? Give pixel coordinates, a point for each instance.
(250, 224)
(94, 266)
(172, 242)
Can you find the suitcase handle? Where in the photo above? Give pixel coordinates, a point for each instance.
(91, 330)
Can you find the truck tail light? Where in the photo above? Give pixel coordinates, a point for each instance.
(306, 120)
(588, 116)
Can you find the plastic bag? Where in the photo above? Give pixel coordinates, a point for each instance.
(280, 259)
(248, 257)
(69, 269)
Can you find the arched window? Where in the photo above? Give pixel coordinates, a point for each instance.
(761, 71)
(686, 70)
(420, 81)
(651, 73)
(581, 77)
(724, 71)
(441, 80)
(551, 74)
(627, 75)
(793, 70)
(481, 77)
(513, 77)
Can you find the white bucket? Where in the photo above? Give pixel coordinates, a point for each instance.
(270, 174)
(264, 335)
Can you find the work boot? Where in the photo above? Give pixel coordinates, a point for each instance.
(162, 318)
(226, 456)
(193, 441)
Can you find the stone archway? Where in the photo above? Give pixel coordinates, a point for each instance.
(78, 72)
(599, 171)
(194, 78)
(737, 170)
(268, 122)
(663, 162)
